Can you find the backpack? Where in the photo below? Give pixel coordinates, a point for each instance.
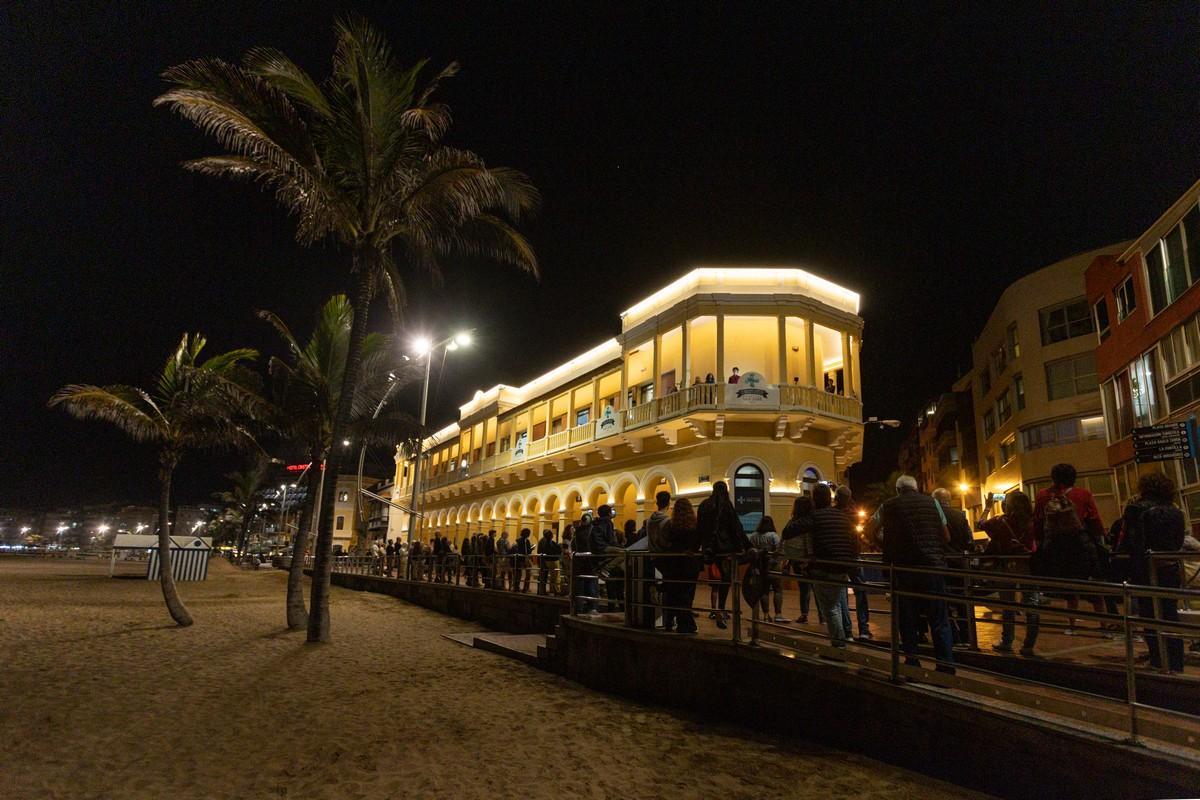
(660, 535)
(1060, 515)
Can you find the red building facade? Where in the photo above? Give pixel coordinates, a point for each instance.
(1146, 308)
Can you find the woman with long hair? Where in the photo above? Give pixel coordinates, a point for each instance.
(679, 571)
(723, 540)
(767, 538)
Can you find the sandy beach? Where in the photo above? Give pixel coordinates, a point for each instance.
(102, 697)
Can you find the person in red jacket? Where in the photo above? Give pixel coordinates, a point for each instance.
(1069, 534)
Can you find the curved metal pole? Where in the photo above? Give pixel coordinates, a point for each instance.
(362, 457)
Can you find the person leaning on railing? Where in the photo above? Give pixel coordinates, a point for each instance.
(549, 553)
(1153, 523)
(1011, 534)
(723, 540)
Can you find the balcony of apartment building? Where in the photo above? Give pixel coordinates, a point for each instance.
(671, 376)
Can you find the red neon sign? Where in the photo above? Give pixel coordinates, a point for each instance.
(299, 467)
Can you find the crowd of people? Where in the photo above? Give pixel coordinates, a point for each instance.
(1058, 534)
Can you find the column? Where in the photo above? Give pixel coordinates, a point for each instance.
(623, 400)
(811, 356)
(847, 371)
(657, 362)
(597, 409)
(686, 367)
(781, 344)
(720, 348)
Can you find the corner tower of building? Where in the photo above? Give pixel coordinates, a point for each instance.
(746, 375)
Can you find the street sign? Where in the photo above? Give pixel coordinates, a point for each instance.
(1165, 442)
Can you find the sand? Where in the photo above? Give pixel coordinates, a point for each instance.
(101, 697)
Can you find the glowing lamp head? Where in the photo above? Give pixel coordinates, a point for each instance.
(463, 339)
(422, 345)
(964, 488)
(102, 529)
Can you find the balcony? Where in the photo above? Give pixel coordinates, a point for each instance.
(720, 398)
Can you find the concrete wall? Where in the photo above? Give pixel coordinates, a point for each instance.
(906, 725)
(502, 611)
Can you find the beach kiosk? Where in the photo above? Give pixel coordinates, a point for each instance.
(189, 555)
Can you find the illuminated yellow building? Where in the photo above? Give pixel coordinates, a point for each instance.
(652, 410)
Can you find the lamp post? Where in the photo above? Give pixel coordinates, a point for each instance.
(422, 346)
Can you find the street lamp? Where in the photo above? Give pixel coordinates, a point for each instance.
(423, 346)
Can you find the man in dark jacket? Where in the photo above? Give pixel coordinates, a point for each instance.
(549, 555)
(961, 541)
(914, 534)
(587, 586)
(488, 566)
(521, 550)
(832, 541)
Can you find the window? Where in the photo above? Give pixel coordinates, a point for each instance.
(990, 462)
(1092, 427)
(1126, 299)
(989, 424)
(1019, 391)
(1099, 484)
(985, 381)
(1013, 342)
(1063, 431)
(343, 497)
(1068, 377)
(1118, 410)
(558, 424)
(1181, 349)
(1100, 311)
(1004, 406)
(1065, 321)
(1008, 449)
(1142, 390)
(341, 523)
(1167, 267)
(1184, 393)
(1000, 360)
(749, 495)
(581, 416)
(539, 431)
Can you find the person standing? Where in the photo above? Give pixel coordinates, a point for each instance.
(504, 562)
(1011, 534)
(723, 540)
(1154, 524)
(843, 500)
(766, 538)
(489, 560)
(832, 541)
(681, 568)
(549, 555)
(657, 530)
(735, 377)
(961, 543)
(1068, 522)
(585, 567)
(604, 540)
(521, 552)
(390, 553)
(914, 534)
(797, 546)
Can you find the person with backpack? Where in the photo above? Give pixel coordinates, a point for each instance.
(723, 540)
(766, 539)
(1154, 524)
(1069, 528)
(549, 554)
(1011, 534)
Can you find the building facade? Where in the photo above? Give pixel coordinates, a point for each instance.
(655, 408)
(1146, 310)
(941, 451)
(1034, 386)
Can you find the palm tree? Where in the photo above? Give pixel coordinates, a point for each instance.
(242, 497)
(359, 158)
(194, 405)
(308, 387)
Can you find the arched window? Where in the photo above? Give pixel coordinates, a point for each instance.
(809, 480)
(749, 495)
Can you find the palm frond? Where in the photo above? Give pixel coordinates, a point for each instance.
(281, 72)
(121, 406)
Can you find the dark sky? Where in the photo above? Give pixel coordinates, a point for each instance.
(925, 159)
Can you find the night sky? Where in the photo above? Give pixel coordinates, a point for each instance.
(925, 160)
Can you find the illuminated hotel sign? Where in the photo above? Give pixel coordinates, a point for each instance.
(299, 467)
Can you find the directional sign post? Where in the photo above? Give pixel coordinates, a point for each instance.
(1166, 442)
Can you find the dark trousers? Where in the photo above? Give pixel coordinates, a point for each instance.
(544, 574)
(1168, 611)
(913, 609)
(679, 592)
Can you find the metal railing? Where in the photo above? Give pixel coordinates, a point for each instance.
(1132, 612)
(542, 575)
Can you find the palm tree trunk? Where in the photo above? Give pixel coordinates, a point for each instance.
(297, 614)
(247, 521)
(365, 259)
(175, 606)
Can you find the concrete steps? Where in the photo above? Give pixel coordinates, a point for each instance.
(534, 649)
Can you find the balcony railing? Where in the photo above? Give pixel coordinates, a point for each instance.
(698, 397)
